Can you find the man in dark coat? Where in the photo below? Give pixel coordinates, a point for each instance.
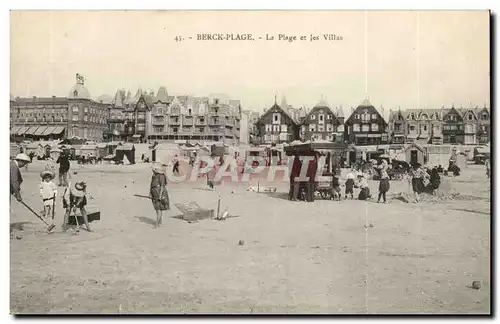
(63, 161)
(16, 179)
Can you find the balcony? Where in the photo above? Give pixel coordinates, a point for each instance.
(216, 122)
(187, 121)
(200, 122)
(158, 122)
(175, 113)
(174, 122)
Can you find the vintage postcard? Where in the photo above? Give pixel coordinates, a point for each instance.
(250, 162)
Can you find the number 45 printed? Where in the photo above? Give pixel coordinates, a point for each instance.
(179, 38)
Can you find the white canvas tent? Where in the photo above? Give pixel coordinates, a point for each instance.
(165, 152)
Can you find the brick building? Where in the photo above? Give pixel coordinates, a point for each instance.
(38, 118)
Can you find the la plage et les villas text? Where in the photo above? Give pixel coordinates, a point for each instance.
(267, 37)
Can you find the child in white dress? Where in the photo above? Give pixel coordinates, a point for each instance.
(48, 192)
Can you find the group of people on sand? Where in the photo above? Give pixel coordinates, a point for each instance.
(356, 179)
(74, 197)
(420, 180)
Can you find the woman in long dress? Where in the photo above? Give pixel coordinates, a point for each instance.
(158, 192)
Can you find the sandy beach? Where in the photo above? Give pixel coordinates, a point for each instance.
(322, 257)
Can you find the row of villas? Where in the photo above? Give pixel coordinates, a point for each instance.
(150, 117)
(139, 118)
(366, 126)
(467, 126)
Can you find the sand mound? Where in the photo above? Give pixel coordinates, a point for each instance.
(444, 193)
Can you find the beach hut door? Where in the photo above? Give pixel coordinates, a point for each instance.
(352, 157)
(413, 157)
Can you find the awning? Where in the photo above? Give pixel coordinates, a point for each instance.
(399, 135)
(412, 136)
(367, 148)
(58, 130)
(136, 136)
(22, 130)
(49, 130)
(31, 130)
(483, 150)
(14, 130)
(423, 136)
(39, 131)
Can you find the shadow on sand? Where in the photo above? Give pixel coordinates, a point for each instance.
(278, 195)
(146, 220)
(19, 226)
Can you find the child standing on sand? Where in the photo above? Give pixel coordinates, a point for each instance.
(48, 192)
(349, 183)
(158, 192)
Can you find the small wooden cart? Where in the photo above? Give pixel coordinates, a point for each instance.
(306, 189)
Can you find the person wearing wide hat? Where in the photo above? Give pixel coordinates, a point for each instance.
(16, 179)
(64, 165)
(48, 192)
(418, 174)
(75, 197)
(364, 194)
(158, 191)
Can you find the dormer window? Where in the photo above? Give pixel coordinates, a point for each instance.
(75, 93)
(423, 117)
(470, 116)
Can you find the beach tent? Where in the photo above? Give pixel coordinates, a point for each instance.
(91, 149)
(203, 151)
(165, 152)
(15, 149)
(111, 147)
(414, 153)
(102, 149)
(35, 147)
(438, 155)
(125, 150)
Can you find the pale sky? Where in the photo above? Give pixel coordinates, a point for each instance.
(404, 59)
